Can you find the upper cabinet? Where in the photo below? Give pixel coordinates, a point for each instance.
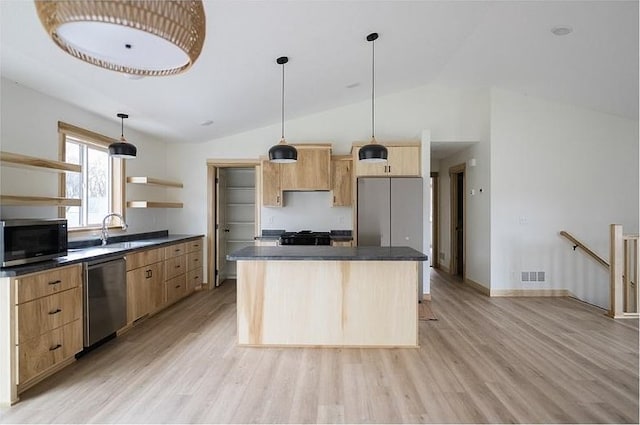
(403, 161)
(341, 181)
(311, 171)
(270, 183)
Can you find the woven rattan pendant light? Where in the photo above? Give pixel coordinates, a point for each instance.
(373, 152)
(282, 152)
(122, 149)
(137, 37)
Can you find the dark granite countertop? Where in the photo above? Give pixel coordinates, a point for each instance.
(327, 253)
(99, 252)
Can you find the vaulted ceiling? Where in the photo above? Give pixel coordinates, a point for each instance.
(236, 83)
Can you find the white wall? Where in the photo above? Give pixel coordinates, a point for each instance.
(29, 126)
(477, 206)
(307, 211)
(558, 167)
(449, 114)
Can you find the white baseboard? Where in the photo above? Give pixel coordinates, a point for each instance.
(530, 293)
(478, 287)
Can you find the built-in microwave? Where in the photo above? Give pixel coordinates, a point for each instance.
(25, 241)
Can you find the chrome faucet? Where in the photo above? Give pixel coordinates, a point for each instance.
(105, 232)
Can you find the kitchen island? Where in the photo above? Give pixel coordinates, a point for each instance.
(327, 296)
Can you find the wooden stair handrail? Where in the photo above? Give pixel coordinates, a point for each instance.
(586, 249)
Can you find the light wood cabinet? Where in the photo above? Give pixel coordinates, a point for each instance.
(402, 161)
(176, 288)
(145, 283)
(46, 283)
(157, 297)
(175, 266)
(271, 189)
(44, 314)
(174, 250)
(48, 311)
(310, 172)
(37, 355)
(194, 265)
(341, 181)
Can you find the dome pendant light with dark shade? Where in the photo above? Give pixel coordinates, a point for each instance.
(282, 152)
(122, 149)
(373, 152)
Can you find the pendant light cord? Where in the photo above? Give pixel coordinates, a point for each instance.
(373, 88)
(121, 127)
(282, 101)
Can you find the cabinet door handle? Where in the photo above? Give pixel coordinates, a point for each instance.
(55, 282)
(177, 250)
(334, 199)
(56, 311)
(178, 266)
(389, 168)
(55, 347)
(149, 274)
(196, 277)
(177, 286)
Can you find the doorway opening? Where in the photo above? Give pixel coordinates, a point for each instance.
(435, 221)
(234, 215)
(457, 182)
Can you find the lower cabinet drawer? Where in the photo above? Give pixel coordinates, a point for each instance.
(49, 282)
(44, 314)
(194, 279)
(175, 266)
(176, 288)
(38, 354)
(194, 260)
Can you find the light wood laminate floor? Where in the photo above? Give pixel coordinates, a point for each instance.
(483, 360)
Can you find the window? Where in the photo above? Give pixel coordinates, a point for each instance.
(99, 185)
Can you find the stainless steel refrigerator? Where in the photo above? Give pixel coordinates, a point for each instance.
(390, 213)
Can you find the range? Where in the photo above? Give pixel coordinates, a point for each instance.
(305, 237)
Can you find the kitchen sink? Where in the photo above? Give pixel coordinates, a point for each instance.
(131, 244)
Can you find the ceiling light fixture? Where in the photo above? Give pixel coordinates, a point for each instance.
(137, 37)
(282, 152)
(122, 149)
(373, 152)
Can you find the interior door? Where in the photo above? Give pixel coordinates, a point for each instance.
(374, 212)
(457, 183)
(221, 226)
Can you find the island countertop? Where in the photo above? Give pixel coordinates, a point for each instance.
(327, 253)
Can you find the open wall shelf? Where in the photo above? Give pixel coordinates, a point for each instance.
(152, 204)
(154, 182)
(15, 160)
(39, 201)
(23, 161)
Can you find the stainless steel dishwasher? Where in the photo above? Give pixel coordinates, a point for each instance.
(105, 298)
